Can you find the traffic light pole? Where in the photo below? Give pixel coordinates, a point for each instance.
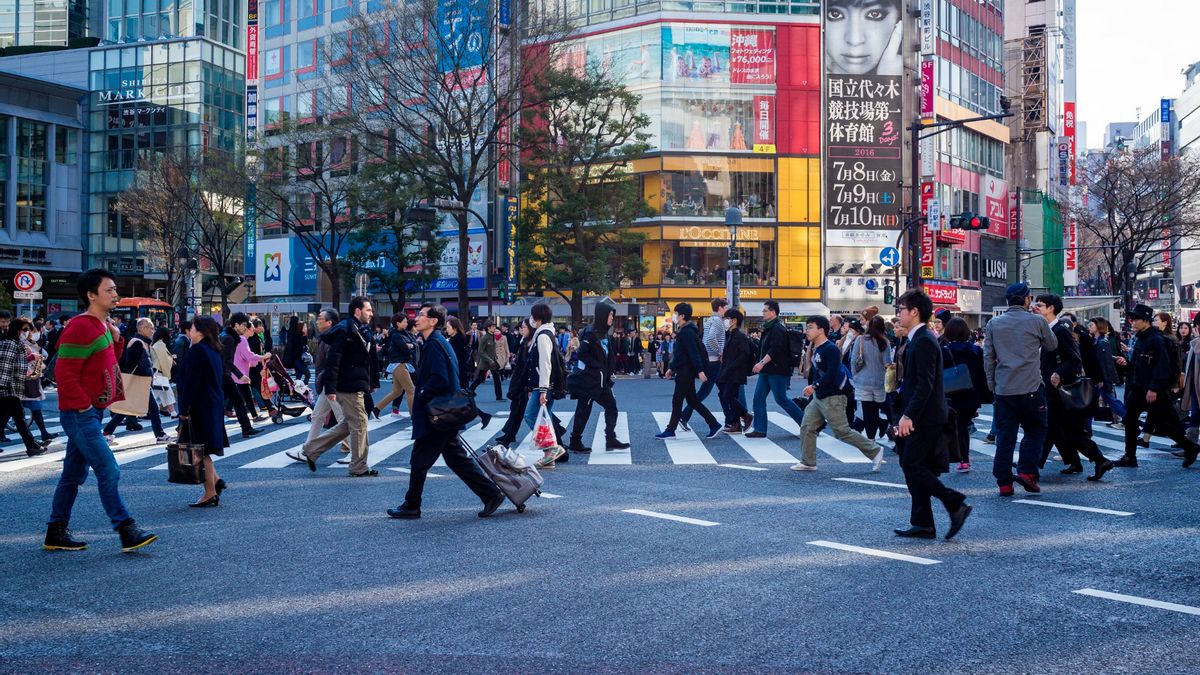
(914, 221)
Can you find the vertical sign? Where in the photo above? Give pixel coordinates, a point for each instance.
(1164, 118)
(1064, 155)
(863, 123)
(934, 217)
(927, 75)
(927, 252)
(250, 239)
(1071, 261)
(927, 43)
(1069, 131)
(764, 124)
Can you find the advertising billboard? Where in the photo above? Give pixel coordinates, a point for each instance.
(695, 53)
(284, 268)
(751, 56)
(448, 264)
(863, 125)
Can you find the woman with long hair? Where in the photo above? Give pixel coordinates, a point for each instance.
(295, 353)
(870, 355)
(202, 403)
(462, 351)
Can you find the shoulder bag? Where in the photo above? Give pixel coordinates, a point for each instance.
(1080, 395)
(860, 361)
(452, 411)
(957, 378)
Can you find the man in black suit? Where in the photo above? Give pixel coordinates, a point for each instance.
(920, 429)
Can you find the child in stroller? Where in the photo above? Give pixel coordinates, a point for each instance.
(279, 387)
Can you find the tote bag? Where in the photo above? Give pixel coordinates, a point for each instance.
(137, 396)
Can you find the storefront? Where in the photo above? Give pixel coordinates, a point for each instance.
(995, 263)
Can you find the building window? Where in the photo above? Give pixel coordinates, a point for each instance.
(306, 56)
(66, 146)
(306, 106)
(703, 263)
(273, 63)
(271, 13)
(32, 175)
(709, 194)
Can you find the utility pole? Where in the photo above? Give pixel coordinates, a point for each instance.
(733, 218)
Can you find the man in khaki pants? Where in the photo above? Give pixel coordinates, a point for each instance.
(828, 404)
(351, 371)
(322, 406)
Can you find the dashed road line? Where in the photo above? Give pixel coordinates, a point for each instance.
(668, 516)
(875, 552)
(1135, 600)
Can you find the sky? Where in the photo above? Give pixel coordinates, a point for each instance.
(1130, 55)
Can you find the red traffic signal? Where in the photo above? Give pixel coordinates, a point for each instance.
(969, 221)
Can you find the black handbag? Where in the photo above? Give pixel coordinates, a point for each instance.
(185, 461)
(957, 378)
(1080, 395)
(451, 412)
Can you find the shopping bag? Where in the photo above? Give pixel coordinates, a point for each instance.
(185, 460)
(137, 396)
(543, 431)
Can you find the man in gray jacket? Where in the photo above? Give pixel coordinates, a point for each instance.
(714, 344)
(326, 319)
(1011, 359)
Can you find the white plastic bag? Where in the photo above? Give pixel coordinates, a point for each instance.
(543, 431)
(509, 458)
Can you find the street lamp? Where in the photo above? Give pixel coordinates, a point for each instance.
(733, 218)
(185, 262)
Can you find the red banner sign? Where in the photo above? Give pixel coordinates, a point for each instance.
(941, 294)
(252, 53)
(1069, 132)
(764, 122)
(927, 90)
(751, 56)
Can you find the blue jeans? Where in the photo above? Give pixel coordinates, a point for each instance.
(1027, 411)
(534, 405)
(711, 371)
(1117, 406)
(777, 386)
(86, 447)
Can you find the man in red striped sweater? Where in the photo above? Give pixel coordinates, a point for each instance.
(89, 381)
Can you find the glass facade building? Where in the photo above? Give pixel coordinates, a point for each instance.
(44, 23)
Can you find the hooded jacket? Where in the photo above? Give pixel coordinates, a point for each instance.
(592, 373)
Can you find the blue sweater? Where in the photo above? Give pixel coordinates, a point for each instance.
(827, 370)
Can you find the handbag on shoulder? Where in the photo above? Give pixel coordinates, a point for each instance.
(1079, 395)
(452, 411)
(185, 460)
(957, 378)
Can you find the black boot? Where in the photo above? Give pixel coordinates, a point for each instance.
(133, 537)
(58, 538)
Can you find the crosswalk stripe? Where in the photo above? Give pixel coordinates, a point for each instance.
(763, 450)
(280, 459)
(387, 447)
(686, 447)
(599, 454)
(842, 452)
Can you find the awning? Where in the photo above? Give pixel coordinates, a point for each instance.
(803, 309)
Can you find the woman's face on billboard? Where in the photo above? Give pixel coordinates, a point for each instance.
(858, 34)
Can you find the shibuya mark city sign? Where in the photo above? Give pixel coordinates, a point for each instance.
(136, 90)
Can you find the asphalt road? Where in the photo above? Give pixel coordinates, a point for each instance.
(302, 572)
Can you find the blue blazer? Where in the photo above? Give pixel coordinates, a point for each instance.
(437, 375)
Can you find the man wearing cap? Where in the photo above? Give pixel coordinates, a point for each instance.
(1012, 348)
(1148, 388)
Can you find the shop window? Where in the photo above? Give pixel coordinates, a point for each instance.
(704, 263)
(717, 121)
(709, 194)
(273, 63)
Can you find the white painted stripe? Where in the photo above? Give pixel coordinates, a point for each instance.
(409, 471)
(19, 444)
(133, 440)
(280, 459)
(686, 447)
(1072, 507)
(668, 516)
(475, 436)
(600, 455)
(863, 481)
(25, 463)
(842, 452)
(135, 455)
(1145, 602)
(287, 431)
(763, 450)
(983, 448)
(548, 495)
(740, 466)
(875, 552)
(378, 452)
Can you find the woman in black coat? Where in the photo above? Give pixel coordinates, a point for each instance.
(202, 403)
(737, 359)
(959, 349)
(458, 340)
(295, 352)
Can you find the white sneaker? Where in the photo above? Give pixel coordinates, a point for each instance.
(344, 460)
(801, 466)
(877, 463)
(1116, 425)
(110, 439)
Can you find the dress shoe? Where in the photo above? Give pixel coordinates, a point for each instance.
(369, 473)
(220, 486)
(1126, 463)
(1142, 443)
(489, 507)
(214, 500)
(1190, 457)
(616, 445)
(1072, 469)
(580, 449)
(1101, 469)
(35, 450)
(733, 428)
(957, 519)
(403, 512)
(917, 533)
(250, 433)
(756, 434)
(134, 427)
(1178, 453)
(1028, 481)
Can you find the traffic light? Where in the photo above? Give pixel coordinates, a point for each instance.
(969, 221)
(889, 294)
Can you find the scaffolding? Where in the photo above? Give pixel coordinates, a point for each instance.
(1034, 90)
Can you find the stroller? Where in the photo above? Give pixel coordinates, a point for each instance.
(279, 388)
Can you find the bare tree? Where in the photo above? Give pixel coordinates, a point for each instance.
(574, 235)
(151, 206)
(449, 85)
(1138, 205)
(213, 202)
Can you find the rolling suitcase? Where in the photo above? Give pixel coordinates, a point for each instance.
(518, 486)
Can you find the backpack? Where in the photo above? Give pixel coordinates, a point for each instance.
(796, 343)
(558, 375)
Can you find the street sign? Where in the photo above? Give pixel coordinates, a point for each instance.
(27, 295)
(871, 285)
(935, 215)
(27, 281)
(890, 256)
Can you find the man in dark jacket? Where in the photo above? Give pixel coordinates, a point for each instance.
(1061, 367)
(922, 424)
(736, 360)
(1148, 390)
(230, 337)
(437, 375)
(351, 372)
(323, 407)
(687, 365)
(774, 369)
(591, 379)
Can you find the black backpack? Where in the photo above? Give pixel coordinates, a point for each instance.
(796, 343)
(558, 374)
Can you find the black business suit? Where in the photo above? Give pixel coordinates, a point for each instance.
(922, 454)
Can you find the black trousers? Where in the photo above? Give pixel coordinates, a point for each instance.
(1068, 430)
(427, 450)
(233, 398)
(729, 395)
(481, 375)
(10, 408)
(516, 420)
(963, 416)
(923, 483)
(874, 425)
(1161, 414)
(685, 391)
(583, 412)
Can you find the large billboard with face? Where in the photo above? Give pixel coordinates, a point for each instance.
(863, 121)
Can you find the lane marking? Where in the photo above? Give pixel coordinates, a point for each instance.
(686, 447)
(873, 482)
(741, 466)
(668, 516)
(1145, 602)
(409, 471)
(549, 495)
(839, 450)
(1072, 507)
(599, 454)
(875, 552)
